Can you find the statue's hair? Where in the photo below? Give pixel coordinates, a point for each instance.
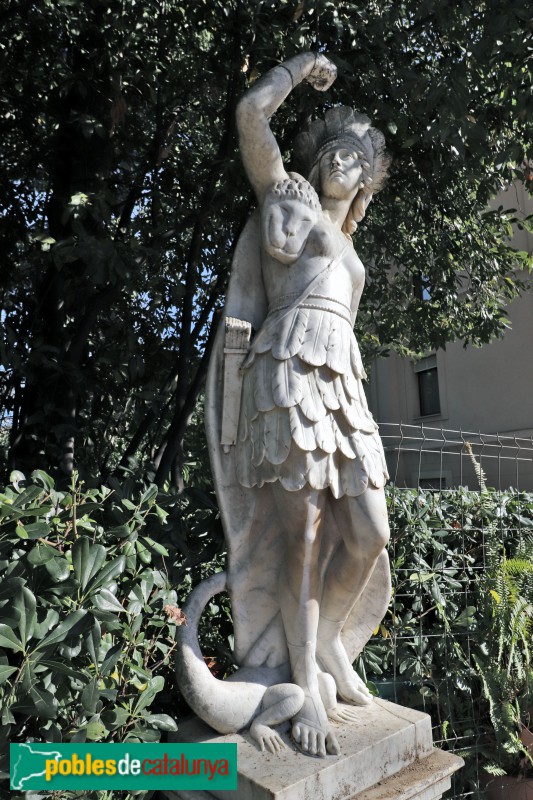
(295, 187)
(342, 126)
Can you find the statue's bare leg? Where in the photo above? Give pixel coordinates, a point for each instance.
(301, 513)
(362, 522)
(280, 703)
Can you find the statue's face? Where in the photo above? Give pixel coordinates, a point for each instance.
(286, 225)
(340, 173)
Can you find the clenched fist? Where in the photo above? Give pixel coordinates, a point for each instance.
(323, 73)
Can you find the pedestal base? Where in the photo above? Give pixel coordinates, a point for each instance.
(388, 752)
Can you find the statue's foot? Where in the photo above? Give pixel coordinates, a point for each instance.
(350, 687)
(354, 691)
(311, 732)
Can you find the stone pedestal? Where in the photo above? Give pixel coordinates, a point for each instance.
(387, 753)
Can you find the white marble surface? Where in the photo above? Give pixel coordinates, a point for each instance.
(426, 779)
(386, 739)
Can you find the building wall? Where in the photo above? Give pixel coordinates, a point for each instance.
(487, 390)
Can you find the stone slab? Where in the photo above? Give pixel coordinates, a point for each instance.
(425, 779)
(383, 740)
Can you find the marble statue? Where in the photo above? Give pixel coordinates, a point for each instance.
(298, 463)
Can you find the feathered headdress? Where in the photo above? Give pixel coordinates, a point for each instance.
(343, 126)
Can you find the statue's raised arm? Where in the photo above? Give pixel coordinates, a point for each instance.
(259, 149)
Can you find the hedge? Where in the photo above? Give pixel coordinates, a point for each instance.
(92, 581)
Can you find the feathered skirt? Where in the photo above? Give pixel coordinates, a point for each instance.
(304, 418)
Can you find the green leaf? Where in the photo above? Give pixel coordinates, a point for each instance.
(9, 587)
(37, 530)
(121, 531)
(90, 697)
(25, 606)
(110, 659)
(161, 513)
(73, 625)
(45, 702)
(87, 559)
(62, 668)
(9, 640)
(28, 496)
(96, 731)
(79, 736)
(162, 722)
(144, 554)
(5, 672)
(116, 718)
(43, 478)
(154, 686)
(7, 719)
(136, 601)
(149, 495)
(147, 584)
(92, 639)
(58, 569)
(41, 554)
(153, 545)
(21, 532)
(110, 571)
(106, 601)
(42, 628)
(108, 620)
(25, 706)
(16, 476)
(145, 734)
(12, 513)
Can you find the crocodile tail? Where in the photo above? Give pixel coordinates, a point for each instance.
(190, 665)
(211, 699)
(198, 599)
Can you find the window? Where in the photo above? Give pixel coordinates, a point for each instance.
(428, 386)
(435, 484)
(421, 287)
(433, 480)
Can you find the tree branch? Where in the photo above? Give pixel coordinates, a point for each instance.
(174, 439)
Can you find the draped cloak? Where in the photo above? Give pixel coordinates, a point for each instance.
(329, 405)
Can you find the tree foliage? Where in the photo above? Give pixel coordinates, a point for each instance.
(122, 196)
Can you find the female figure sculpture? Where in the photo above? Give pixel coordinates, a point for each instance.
(300, 480)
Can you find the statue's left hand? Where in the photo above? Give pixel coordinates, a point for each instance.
(323, 73)
(267, 738)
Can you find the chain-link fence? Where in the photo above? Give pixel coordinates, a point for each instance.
(456, 640)
(436, 458)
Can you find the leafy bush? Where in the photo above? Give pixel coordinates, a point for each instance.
(89, 586)
(504, 660)
(436, 645)
(91, 583)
